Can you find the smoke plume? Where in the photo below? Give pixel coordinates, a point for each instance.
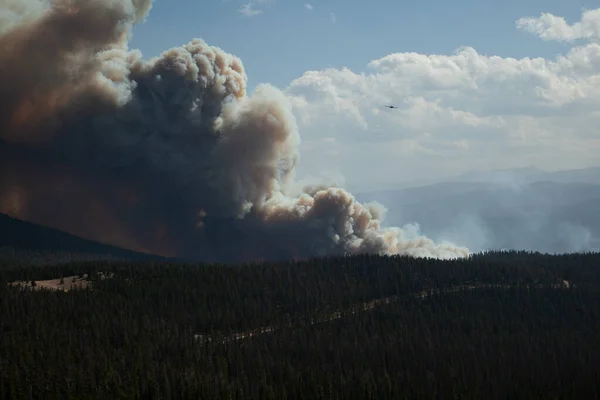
(167, 155)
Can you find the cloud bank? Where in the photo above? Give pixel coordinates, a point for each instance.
(457, 112)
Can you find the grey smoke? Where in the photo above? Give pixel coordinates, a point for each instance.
(168, 155)
(525, 209)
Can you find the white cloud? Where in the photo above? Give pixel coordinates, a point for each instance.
(552, 27)
(249, 10)
(252, 9)
(333, 17)
(309, 7)
(456, 112)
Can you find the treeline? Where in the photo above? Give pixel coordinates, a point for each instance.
(136, 335)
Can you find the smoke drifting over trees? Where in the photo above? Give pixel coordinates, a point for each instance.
(167, 155)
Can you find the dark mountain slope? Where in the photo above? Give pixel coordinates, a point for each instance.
(20, 239)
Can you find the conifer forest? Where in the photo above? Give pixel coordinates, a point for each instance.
(494, 325)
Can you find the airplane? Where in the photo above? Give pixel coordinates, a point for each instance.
(389, 106)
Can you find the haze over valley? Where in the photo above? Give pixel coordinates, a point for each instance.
(524, 208)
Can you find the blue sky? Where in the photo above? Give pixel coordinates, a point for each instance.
(523, 91)
(287, 39)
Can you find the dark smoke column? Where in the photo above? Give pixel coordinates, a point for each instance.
(166, 155)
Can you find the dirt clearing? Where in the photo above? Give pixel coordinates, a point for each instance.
(63, 284)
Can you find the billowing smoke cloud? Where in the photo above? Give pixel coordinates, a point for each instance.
(167, 155)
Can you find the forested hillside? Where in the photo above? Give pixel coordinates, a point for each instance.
(496, 325)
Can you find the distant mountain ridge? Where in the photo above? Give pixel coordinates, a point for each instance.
(524, 208)
(520, 176)
(532, 174)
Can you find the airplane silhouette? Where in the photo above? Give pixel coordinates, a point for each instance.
(389, 106)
